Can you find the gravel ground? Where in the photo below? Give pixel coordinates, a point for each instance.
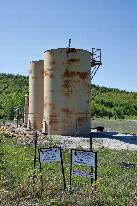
(111, 140)
(108, 140)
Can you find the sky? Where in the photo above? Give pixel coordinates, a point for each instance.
(30, 27)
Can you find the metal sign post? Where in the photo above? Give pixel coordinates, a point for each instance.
(35, 157)
(83, 157)
(91, 151)
(48, 155)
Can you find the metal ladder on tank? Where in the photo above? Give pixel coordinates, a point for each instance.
(95, 61)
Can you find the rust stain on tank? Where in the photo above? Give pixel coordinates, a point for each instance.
(51, 90)
(35, 124)
(73, 50)
(82, 119)
(51, 53)
(48, 104)
(67, 122)
(30, 71)
(52, 105)
(34, 77)
(69, 73)
(45, 102)
(89, 86)
(87, 101)
(63, 62)
(66, 94)
(82, 75)
(55, 129)
(67, 84)
(53, 119)
(77, 81)
(48, 74)
(52, 63)
(66, 110)
(42, 73)
(73, 61)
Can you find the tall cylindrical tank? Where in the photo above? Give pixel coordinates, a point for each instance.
(67, 91)
(26, 110)
(36, 94)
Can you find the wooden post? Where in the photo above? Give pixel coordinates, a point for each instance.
(41, 176)
(90, 142)
(17, 120)
(109, 116)
(62, 170)
(70, 171)
(23, 119)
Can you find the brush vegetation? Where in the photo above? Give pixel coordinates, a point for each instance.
(104, 101)
(116, 184)
(13, 88)
(110, 102)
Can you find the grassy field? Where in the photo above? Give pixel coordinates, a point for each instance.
(124, 126)
(116, 184)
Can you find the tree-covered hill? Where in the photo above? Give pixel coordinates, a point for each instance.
(12, 91)
(104, 101)
(107, 101)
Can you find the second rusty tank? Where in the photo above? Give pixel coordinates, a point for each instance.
(36, 94)
(67, 91)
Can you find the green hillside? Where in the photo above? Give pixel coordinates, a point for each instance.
(12, 91)
(107, 101)
(104, 101)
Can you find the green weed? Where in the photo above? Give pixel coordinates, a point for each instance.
(116, 184)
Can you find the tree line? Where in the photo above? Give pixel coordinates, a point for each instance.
(110, 102)
(13, 88)
(104, 101)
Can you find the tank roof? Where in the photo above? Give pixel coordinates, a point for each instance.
(36, 61)
(68, 48)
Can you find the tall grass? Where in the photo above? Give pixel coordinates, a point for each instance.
(116, 126)
(116, 184)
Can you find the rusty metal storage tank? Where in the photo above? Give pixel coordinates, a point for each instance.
(36, 94)
(26, 110)
(67, 91)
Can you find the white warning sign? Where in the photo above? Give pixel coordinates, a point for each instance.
(50, 154)
(83, 157)
(83, 174)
